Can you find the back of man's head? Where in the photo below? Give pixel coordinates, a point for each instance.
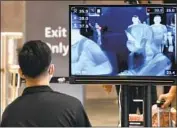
(34, 58)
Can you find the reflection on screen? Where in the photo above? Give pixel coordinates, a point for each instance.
(123, 41)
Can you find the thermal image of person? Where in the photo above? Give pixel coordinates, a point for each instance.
(87, 56)
(141, 42)
(172, 25)
(96, 33)
(160, 32)
(135, 21)
(170, 42)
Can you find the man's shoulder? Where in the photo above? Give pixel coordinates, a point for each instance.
(65, 97)
(10, 107)
(56, 96)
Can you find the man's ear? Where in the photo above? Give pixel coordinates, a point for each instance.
(51, 69)
(21, 74)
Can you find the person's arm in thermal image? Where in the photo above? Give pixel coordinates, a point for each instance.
(153, 67)
(78, 66)
(157, 66)
(101, 62)
(93, 28)
(82, 119)
(92, 60)
(83, 60)
(100, 69)
(168, 97)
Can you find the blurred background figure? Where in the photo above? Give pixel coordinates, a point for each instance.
(171, 26)
(96, 33)
(170, 42)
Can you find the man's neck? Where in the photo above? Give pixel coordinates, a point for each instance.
(32, 83)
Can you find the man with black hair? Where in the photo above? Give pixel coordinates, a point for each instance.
(39, 105)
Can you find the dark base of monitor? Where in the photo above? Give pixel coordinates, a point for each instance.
(135, 1)
(170, 1)
(125, 81)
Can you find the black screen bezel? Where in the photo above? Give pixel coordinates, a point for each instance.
(131, 80)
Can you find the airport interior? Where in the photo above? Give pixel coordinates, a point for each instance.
(21, 21)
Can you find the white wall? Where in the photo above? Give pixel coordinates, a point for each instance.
(72, 90)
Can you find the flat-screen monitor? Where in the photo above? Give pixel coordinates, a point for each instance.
(120, 44)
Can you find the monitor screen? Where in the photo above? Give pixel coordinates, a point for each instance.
(116, 42)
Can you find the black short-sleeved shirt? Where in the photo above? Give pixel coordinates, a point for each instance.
(40, 106)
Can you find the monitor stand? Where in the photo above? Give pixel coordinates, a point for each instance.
(125, 106)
